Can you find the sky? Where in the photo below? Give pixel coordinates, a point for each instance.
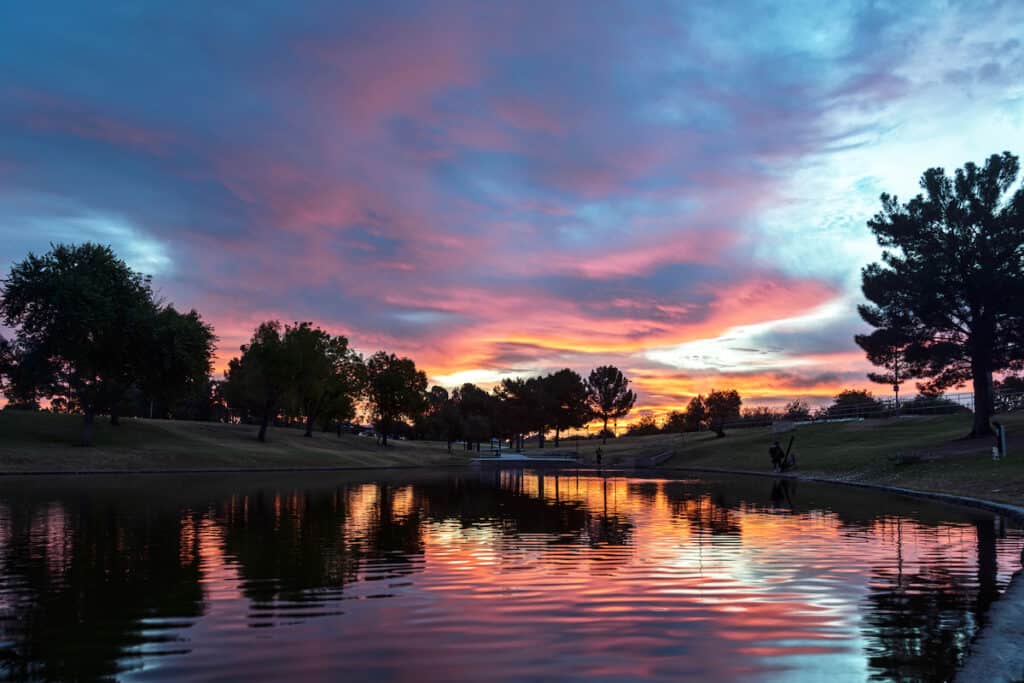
(506, 189)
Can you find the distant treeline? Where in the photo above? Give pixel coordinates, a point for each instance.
(91, 338)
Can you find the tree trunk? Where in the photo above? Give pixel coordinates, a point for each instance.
(540, 439)
(87, 428)
(265, 422)
(309, 426)
(984, 396)
(556, 436)
(604, 432)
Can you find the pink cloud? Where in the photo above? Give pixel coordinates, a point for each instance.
(52, 114)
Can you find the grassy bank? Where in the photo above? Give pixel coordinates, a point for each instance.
(855, 451)
(860, 452)
(44, 442)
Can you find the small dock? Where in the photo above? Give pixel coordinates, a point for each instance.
(520, 460)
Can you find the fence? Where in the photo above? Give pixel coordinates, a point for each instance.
(1005, 402)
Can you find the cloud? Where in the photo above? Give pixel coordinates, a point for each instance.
(493, 188)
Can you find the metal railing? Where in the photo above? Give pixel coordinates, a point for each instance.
(1005, 402)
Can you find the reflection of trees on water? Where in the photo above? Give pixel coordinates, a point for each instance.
(500, 499)
(606, 528)
(517, 502)
(78, 583)
(919, 625)
(286, 544)
(707, 512)
(81, 583)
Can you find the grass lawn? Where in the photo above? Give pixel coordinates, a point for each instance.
(860, 452)
(851, 451)
(848, 451)
(44, 442)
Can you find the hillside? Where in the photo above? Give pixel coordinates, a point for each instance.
(44, 442)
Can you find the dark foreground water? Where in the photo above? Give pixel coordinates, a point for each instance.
(481, 576)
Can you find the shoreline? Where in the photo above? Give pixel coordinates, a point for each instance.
(1014, 511)
(1008, 509)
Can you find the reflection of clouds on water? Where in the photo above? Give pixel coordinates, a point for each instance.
(577, 576)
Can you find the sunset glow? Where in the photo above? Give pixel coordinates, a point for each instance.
(506, 189)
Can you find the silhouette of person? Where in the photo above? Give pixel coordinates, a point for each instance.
(778, 456)
(597, 456)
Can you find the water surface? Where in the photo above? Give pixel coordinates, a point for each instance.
(468, 576)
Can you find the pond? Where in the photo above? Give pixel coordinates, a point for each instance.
(495, 575)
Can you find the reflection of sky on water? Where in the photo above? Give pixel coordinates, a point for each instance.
(506, 576)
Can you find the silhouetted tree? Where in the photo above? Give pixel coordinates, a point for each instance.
(1011, 384)
(540, 407)
(797, 411)
(396, 390)
(325, 376)
(951, 281)
(696, 414)
(675, 422)
(609, 395)
(1010, 393)
(645, 426)
(568, 395)
(855, 403)
(887, 350)
(512, 418)
(257, 381)
(26, 376)
(87, 314)
(178, 358)
(474, 407)
(443, 420)
(722, 406)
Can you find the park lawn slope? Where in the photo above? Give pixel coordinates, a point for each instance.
(44, 442)
(864, 452)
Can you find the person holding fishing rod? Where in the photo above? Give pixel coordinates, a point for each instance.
(782, 460)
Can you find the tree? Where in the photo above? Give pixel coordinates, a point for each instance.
(722, 406)
(796, 411)
(568, 402)
(325, 376)
(951, 280)
(888, 350)
(645, 426)
(1010, 393)
(473, 406)
(512, 417)
(675, 423)
(696, 414)
(179, 358)
(257, 381)
(87, 315)
(396, 390)
(25, 376)
(1011, 384)
(540, 406)
(609, 396)
(855, 403)
(442, 419)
